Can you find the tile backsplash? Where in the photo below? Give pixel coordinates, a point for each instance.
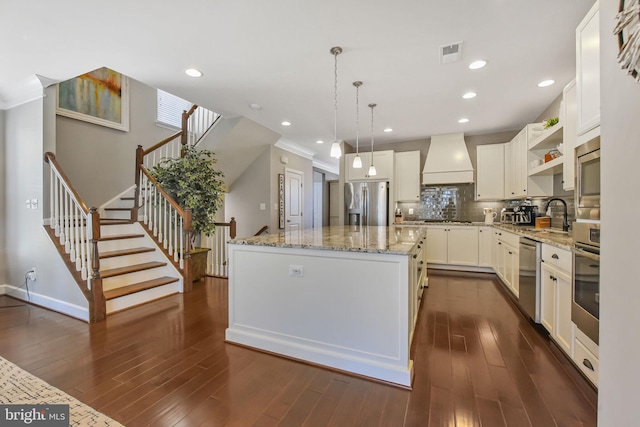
(456, 203)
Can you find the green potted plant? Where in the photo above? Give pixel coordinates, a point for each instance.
(194, 183)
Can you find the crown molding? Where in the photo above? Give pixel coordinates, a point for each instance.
(295, 149)
(21, 92)
(318, 164)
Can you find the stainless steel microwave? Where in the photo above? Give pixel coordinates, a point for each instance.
(587, 192)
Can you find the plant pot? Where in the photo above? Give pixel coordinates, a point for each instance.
(199, 263)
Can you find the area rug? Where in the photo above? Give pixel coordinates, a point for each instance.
(17, 386)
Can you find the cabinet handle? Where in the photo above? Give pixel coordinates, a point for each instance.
(499, 243)
(588, 364)
(510, 253)
(479, 231)
(478, 195)
(555, 256)
(419, 246)
(550, 276)
(421, 262)
(415, 256)
(499, 234)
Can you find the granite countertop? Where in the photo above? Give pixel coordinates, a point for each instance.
(545, 235)
(381, 240)
(552, 237)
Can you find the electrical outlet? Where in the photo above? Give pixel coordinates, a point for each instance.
(410, 211)
(34, 203)
(296, 270)
(31, 275)
(263, 206)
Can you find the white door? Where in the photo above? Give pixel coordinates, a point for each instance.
(293, 203)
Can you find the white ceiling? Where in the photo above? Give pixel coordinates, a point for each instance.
(276, 54)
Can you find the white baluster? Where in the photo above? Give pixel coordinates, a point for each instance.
(59, 230)
(67, 223)
(52, 214)
(74, 233)
(175, 237)
(181, 244)
(83, 247)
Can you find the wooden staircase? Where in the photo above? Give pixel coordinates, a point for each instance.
(133, 268)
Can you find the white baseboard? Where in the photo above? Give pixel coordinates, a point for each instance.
(64, 307)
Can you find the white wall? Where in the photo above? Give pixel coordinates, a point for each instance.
(26, 244)
(620, 269)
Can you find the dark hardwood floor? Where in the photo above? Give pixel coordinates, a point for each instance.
(478, 362)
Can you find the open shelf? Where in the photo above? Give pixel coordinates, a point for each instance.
(549, 138)
(550, 168)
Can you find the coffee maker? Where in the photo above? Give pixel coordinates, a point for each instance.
(525, 215)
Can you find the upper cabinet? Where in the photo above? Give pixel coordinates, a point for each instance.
(407, 172)
(569, 134)
(515, 167)
(588, 74)
(382, 160)
(490, 172)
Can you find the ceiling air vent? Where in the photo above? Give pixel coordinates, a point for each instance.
(450, 53)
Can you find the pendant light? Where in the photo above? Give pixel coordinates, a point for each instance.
(372, 168)
(357, 161)
(336, 151)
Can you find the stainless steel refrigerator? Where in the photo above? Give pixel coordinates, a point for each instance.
(366, 203)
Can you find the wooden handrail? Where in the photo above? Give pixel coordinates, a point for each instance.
(262, 230)
(50, 158)
(166, 195)
(231, 224)
(163, 142)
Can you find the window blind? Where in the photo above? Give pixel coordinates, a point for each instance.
(170, 108)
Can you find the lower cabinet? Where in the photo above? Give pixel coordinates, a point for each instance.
(556, 296)
(485, 246)
(452, 245)
(506, 259)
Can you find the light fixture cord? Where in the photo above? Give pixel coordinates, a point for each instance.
(335, 97)
(357, 117)
(372, 134)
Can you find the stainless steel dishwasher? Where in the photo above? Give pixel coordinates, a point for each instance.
(529, 277)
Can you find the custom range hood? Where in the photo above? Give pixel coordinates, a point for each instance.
(447, 161)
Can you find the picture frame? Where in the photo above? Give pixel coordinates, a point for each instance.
(281, 201)
(100, 97)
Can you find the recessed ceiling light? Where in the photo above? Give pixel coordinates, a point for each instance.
(463, 120)
(546, 83)
(255, 107)
(388, 130)
(285, 123)
(319, 141)
(475, 65)
(192, 72)
(469, 95)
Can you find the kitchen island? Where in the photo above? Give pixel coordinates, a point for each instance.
(343, 297)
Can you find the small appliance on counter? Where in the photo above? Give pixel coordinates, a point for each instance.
(398, 215)
(489, 215)
(525, 215)
(507, 216)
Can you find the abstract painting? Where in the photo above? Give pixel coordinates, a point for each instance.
(100, 96)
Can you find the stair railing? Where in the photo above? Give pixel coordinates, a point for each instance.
(218, 242)
(77, 229)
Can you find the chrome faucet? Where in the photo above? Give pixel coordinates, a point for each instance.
(565, 223)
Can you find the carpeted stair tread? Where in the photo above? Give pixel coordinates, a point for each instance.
(123, 252)
(138, 287)
(131, 269)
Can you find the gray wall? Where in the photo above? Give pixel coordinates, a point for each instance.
(298, 163)
(26, 137)
(553, 110)
(100, 161)
(245, 195)
(620, 269)
(3, 258)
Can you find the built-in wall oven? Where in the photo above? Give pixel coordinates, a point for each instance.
(587, 193)
(585, 308)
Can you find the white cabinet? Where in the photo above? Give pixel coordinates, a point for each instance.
(585, 355)
(383, 161)
(485, 246)
(506, 262)
(454, 245)
(588, 71)
(515, 169)
(556, 296)
(569, 135)
(407, 176)
(490, 172)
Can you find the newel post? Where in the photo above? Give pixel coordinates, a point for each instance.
(188, 282)
(136, 196)
(183, 138)
(232, 228)
(98, 309)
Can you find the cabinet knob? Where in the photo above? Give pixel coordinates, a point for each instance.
(499, 243)
(510, 253)
(550, 276)
(415, 256)
(478, 195)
